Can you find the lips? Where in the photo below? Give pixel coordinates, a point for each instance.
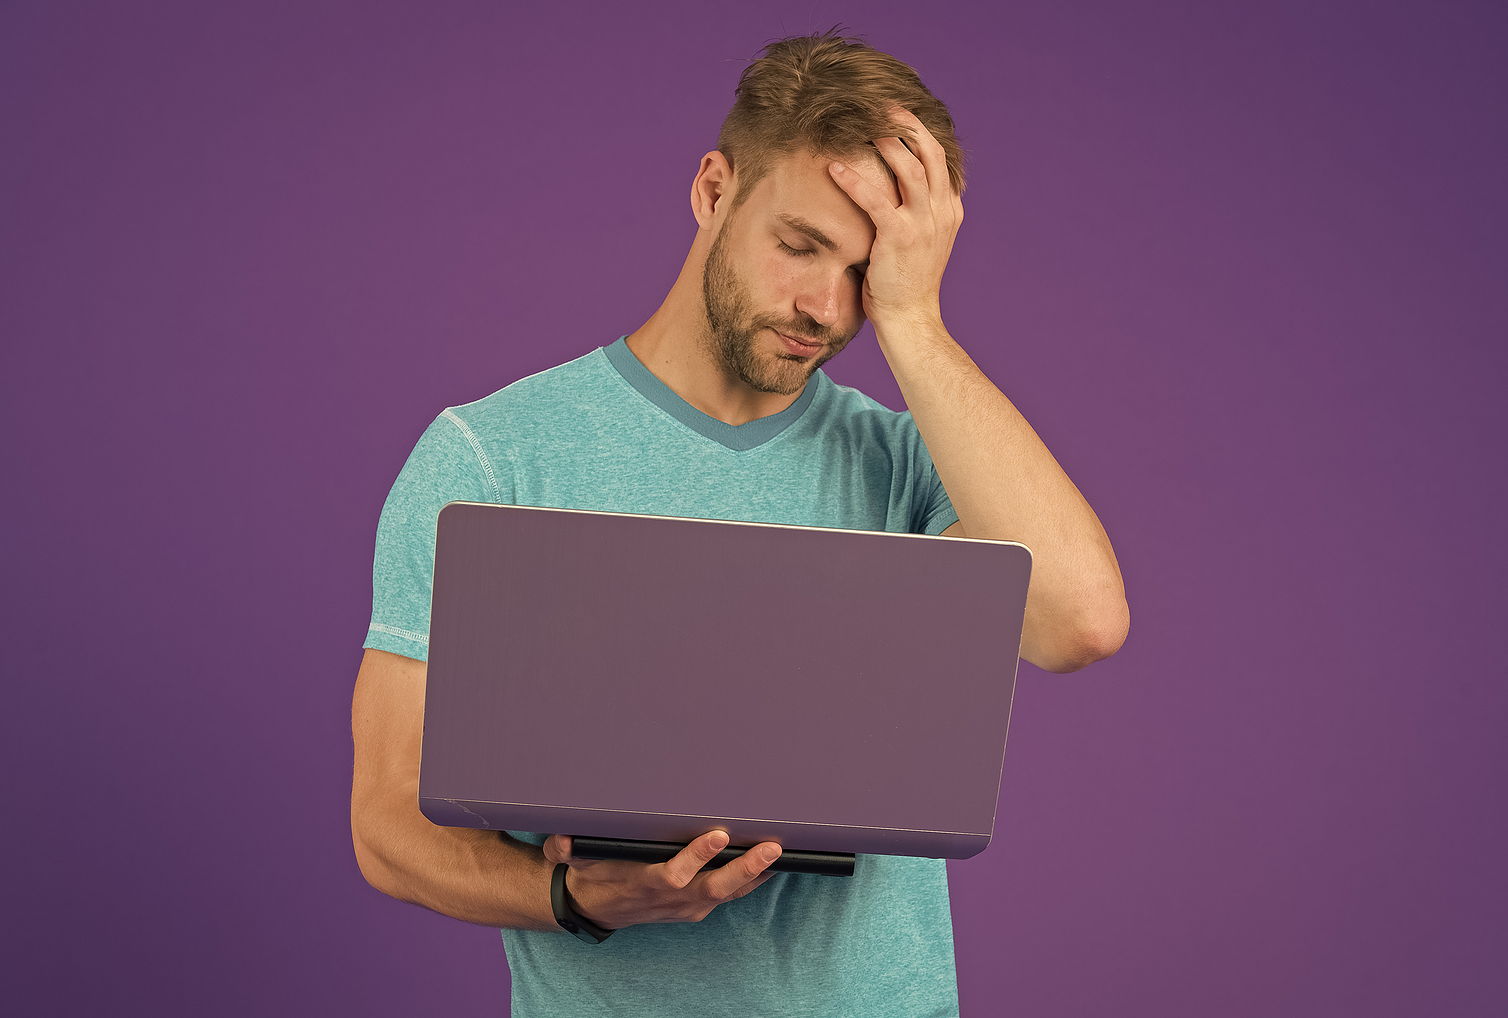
(803, 341)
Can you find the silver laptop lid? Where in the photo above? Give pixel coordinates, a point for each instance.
(650, 677)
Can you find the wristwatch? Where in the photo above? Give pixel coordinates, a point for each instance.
(565, 910)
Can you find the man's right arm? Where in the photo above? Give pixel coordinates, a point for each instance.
(472, 875)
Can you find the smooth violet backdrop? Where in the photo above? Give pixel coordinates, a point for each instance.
(1240, 265)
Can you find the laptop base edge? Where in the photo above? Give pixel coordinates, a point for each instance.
(829, 864)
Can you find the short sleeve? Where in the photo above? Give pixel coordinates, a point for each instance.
(443, 467)
(934, 509)
(938, 513)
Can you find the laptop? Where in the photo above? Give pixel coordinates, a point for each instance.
(637, 680)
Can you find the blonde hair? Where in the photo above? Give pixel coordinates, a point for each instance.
(827, 95)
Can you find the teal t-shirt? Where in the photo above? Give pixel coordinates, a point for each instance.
(602, 432)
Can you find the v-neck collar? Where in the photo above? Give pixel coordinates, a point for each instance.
(739, 437)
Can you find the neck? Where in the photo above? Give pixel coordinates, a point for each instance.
(674, 345)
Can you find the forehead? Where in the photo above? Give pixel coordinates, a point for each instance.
(800, 185)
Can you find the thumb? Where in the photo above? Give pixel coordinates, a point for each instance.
(557, 849)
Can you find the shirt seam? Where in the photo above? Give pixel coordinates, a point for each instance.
(476, 449)
(402, 634)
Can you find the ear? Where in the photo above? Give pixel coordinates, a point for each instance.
(713, 185)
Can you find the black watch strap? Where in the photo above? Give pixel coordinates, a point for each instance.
(565, 910)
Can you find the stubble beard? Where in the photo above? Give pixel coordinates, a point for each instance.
(735, 349)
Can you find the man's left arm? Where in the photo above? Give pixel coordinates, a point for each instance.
(1007, 486)
(1001, 479)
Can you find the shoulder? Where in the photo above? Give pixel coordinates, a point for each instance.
(536, 401)
(552, 383)
(848, 409)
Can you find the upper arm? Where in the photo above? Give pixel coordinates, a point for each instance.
(956, 530)
(387, 729)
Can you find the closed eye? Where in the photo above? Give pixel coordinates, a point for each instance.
(804, 251)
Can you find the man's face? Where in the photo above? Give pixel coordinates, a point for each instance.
(753, 287)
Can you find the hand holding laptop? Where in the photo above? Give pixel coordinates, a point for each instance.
(615, 893)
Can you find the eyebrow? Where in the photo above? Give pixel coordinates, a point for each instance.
(802, 226)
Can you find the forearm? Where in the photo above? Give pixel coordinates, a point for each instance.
(472, 875)
(1006, 485)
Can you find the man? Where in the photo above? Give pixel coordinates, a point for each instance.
(716, 408)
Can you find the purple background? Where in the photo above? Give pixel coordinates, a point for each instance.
(1241, 266)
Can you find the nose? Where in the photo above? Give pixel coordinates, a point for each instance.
(823, 304)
